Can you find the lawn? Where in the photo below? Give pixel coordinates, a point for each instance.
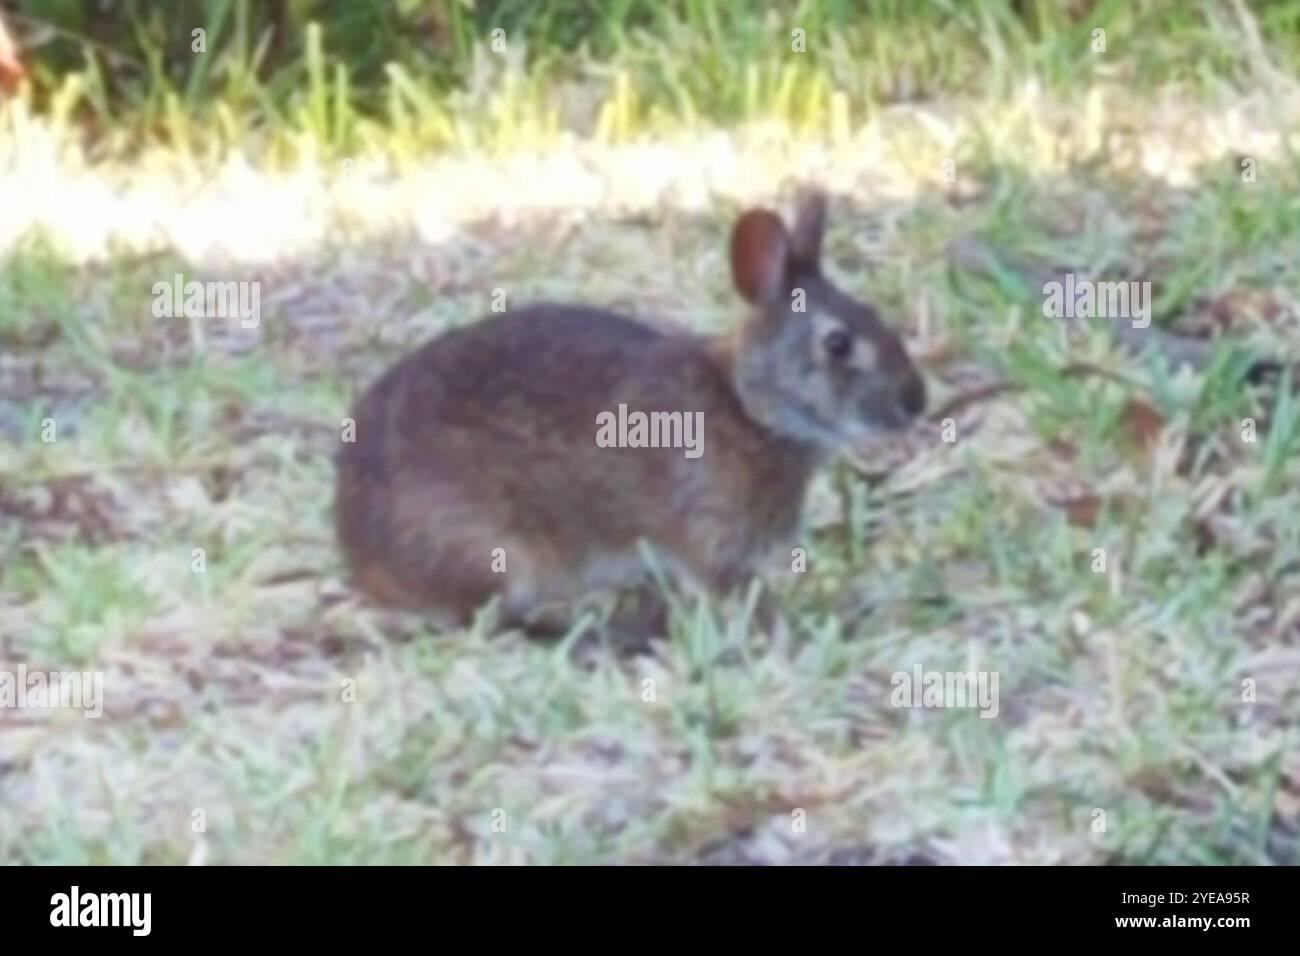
(165, 488)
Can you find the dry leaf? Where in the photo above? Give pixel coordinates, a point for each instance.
(1081, 511)
(1142, 423)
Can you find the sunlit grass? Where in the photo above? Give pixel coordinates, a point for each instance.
(1120, 691)
(225, 686)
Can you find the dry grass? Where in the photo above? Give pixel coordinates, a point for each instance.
(224, 690)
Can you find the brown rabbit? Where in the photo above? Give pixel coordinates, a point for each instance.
(478, 468)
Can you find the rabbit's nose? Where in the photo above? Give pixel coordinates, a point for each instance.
(912, 395)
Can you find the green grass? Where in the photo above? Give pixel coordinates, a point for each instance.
(230, 691)
(224, 688)
(372, 76)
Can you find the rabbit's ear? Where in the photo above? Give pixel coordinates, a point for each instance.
(809, 227)
(760, 256)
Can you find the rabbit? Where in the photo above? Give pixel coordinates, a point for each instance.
(476, 470)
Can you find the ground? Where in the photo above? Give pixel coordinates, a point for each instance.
(256, 710)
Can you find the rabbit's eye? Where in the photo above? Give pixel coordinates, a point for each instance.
(838, 344)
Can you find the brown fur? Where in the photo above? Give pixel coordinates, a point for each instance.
(485, 438)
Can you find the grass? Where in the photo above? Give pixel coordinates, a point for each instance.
(256, 711)
(371, 77)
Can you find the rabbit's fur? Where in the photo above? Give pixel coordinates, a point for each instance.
(486, 438)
